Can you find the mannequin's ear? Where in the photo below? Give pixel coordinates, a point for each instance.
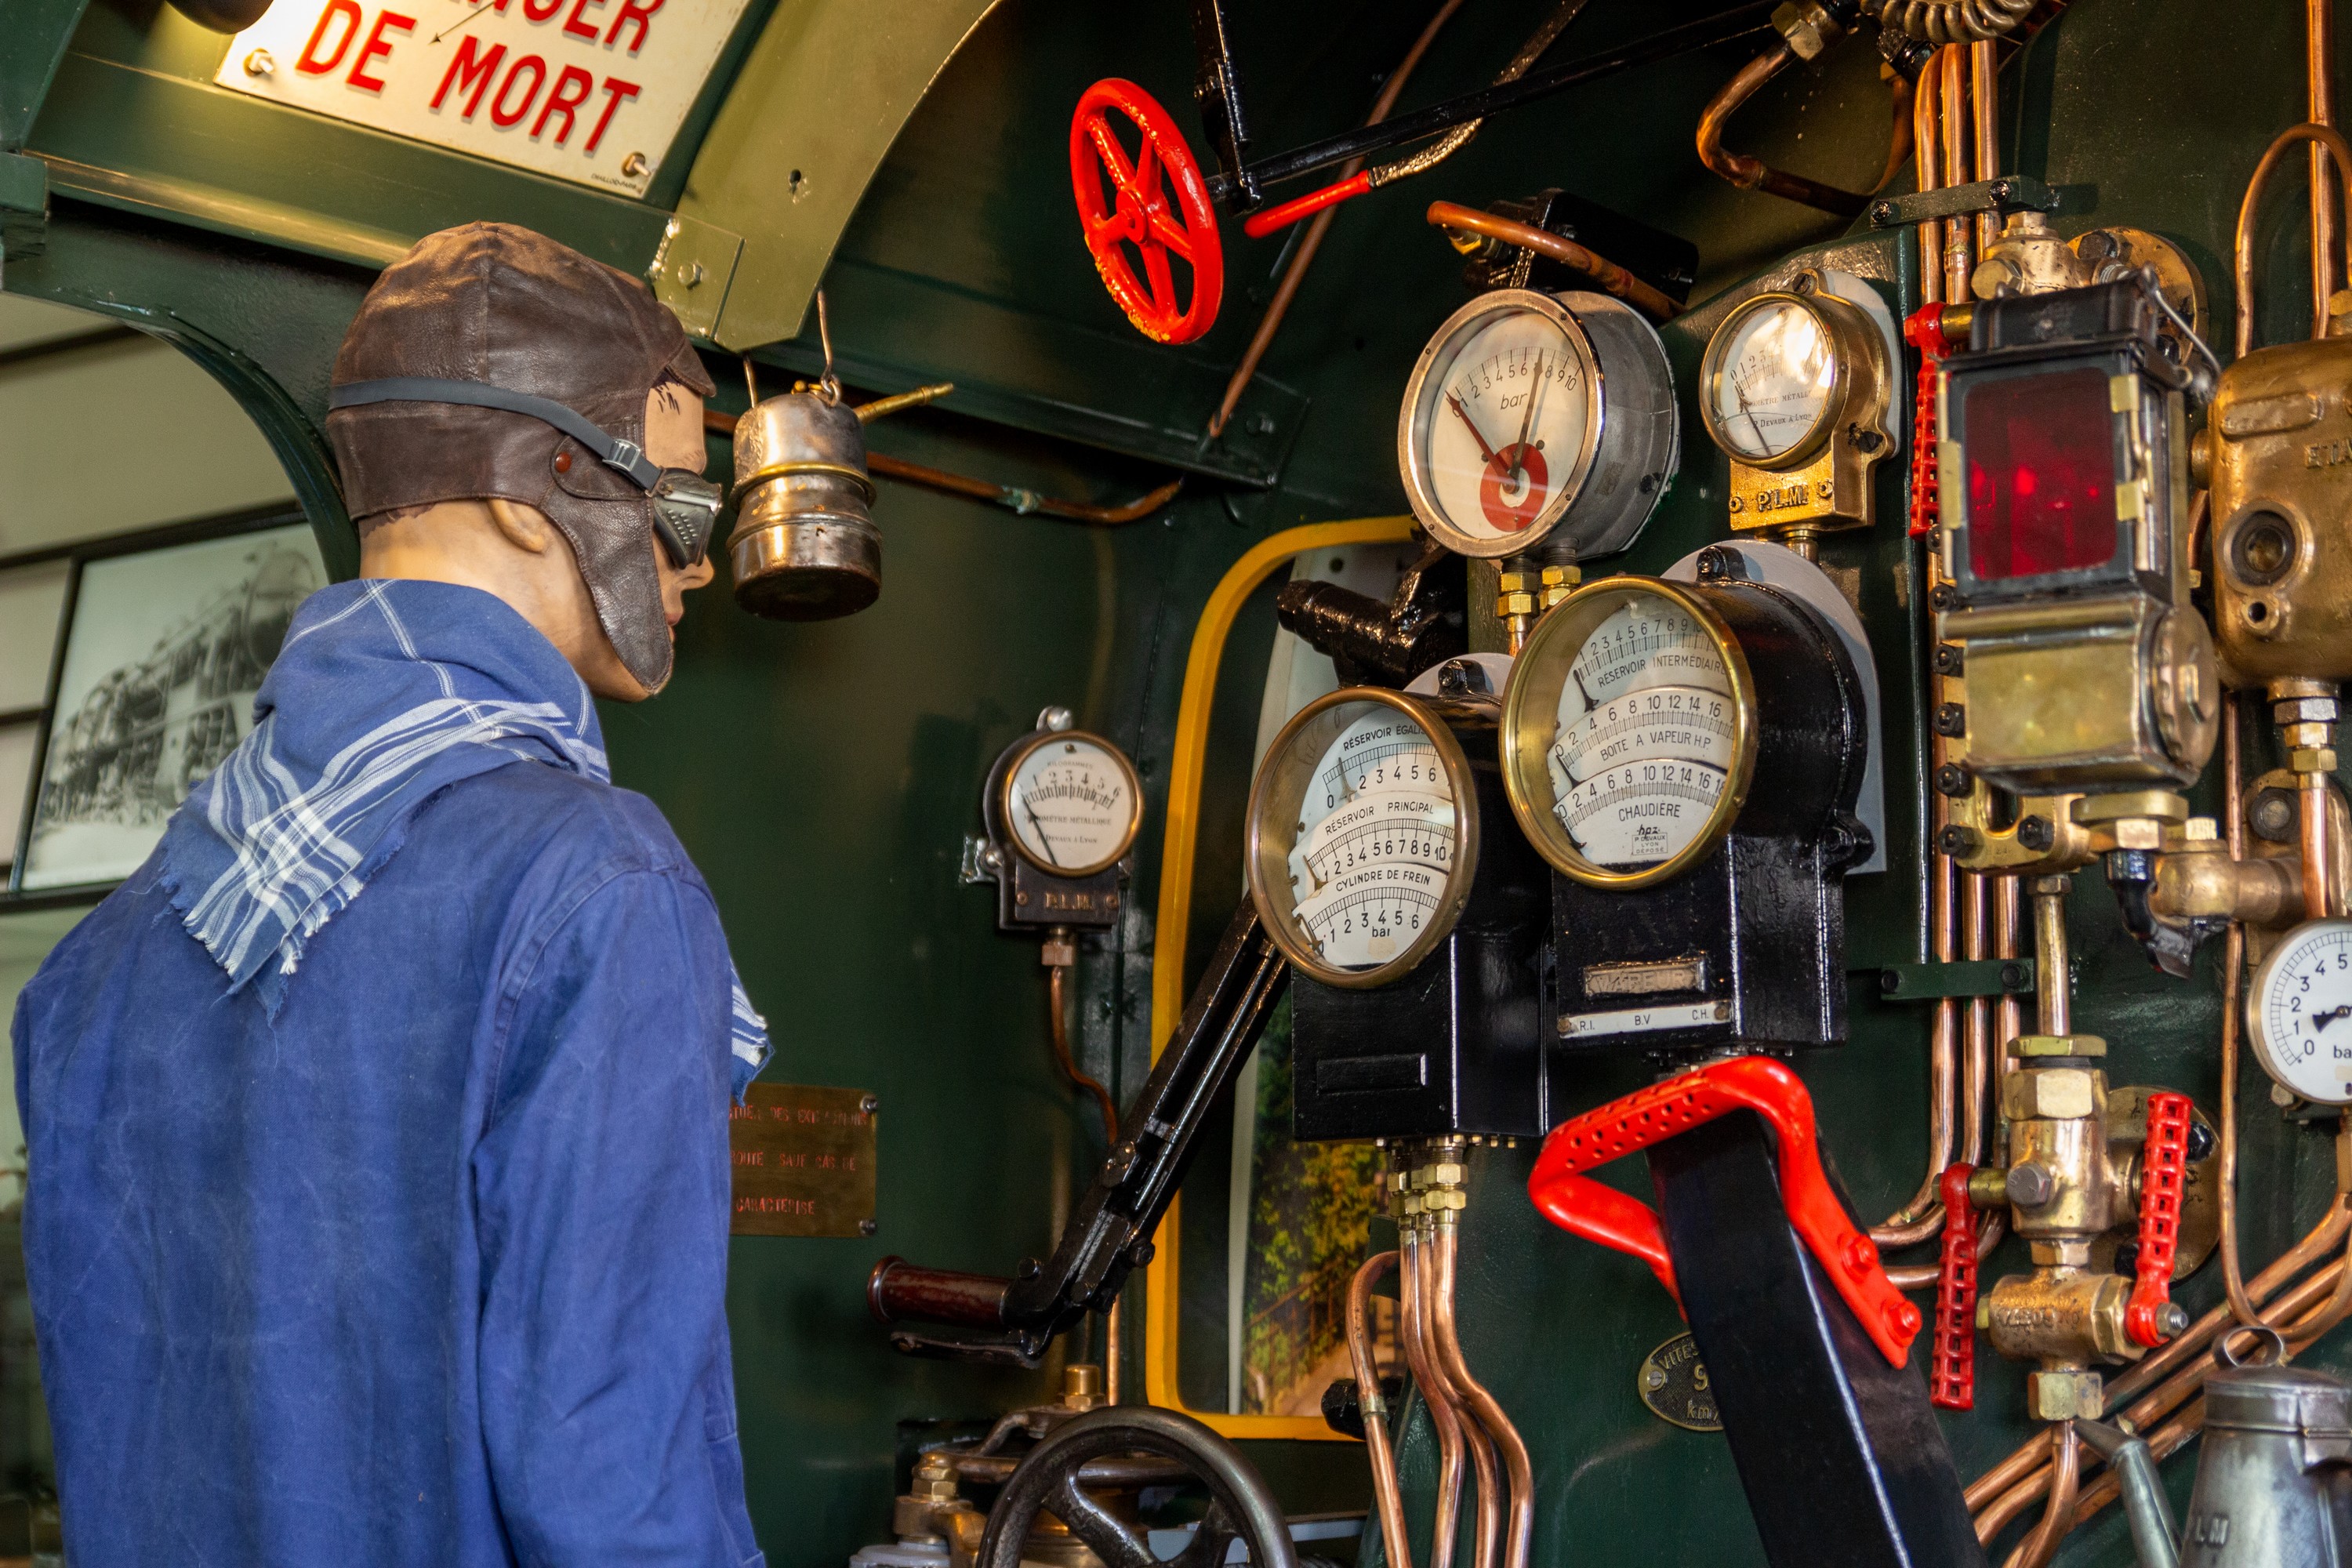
(524, 526)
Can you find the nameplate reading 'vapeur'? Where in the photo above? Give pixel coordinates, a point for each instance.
(588, 90)
(803, 1161)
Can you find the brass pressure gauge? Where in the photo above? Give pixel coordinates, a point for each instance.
(1529, 413)
(1628, 737)
(1793, 387)
(1362, 837)
(1071, 802)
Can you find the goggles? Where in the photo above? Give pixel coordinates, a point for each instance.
(685, 504)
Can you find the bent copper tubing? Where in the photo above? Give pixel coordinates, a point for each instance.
(1519, 1475)
(1388, 1498)
(1447, 1523)
(1611, 278)
(1755, 174)
(2234, 974)
(2319, 65)
(1487, 1542)
(2243, 270)
(2058, 1518)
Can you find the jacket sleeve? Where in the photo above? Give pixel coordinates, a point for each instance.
(602, 1196)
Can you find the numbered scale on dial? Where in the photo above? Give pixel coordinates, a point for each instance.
(2299, 1012)
(1359, 841)
(1062, 808)
(1529, 413)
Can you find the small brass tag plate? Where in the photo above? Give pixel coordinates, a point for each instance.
(803, 1161)
(1673, 1383)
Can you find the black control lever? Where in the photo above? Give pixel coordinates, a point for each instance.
(1110, 1231)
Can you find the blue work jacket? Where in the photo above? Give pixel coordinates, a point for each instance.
(418, 1256)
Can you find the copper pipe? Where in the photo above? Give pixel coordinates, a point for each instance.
(2319, 62)
(2234, 974)
(1389, 1500)
(2242, 258)
(2058, 1518)
(1611, 278)
(2339, 1302)
(2312, 793)
(1984, 96)
(1927, 139)
(1755, 174)
(1055, 1003)
(1959, 241)
(2053, 1007)
(1312, 240)
(1486, 1540)
(1410, 1331)
(1519, 1475)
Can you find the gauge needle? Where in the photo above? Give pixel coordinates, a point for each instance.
(2321, 1020)
(1578, 676)
(1484, 450)
(1054, 854)
(1526, 420)
(1741, 392)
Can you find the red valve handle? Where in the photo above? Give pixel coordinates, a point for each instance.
(1257, 226)
(1924, 330)
(1952, 1377)
(1157, 204)
(2163, 1170)
(1578, 1203)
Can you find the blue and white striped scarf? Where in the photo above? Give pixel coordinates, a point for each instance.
(352, 735)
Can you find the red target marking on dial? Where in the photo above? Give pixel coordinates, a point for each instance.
(1157, 207)
(1513, 507)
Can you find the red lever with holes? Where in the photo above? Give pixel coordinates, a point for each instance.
(1157, 207)
(1576, 1203)
(2163, 1171)
(1924, 330)
(1952, 1376)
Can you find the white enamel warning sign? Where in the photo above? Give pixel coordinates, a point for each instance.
(592, 90)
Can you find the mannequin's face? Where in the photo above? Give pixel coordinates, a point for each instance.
(511, 550)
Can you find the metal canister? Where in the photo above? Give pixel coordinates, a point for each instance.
(2274, 1483)
(804, 547)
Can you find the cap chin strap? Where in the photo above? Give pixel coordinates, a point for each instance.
(627, 457)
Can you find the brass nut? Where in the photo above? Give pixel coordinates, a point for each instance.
(2298, 737)
(2201, 830)
(2312, 760)
(1445, 1200)
(1562, 576)
(2049, 1094)
(1518, 581)
(1509, 605)
(2304, 710)
(2138, 833)
(2065, 1396)
(1445, 1173)
(2059, 1046)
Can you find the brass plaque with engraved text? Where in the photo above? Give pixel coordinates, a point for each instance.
(803, 1161)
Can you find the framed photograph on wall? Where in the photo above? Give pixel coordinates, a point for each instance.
(165, 643)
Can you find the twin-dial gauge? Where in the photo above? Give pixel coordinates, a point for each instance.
(1530, 413)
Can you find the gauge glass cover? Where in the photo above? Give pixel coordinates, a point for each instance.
(1072, 803)
(1359, 852)
(2300, 1012)
(1770, 375)
(1500, 420)
(1629, 697)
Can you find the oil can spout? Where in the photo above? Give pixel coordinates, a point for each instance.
(2154, 1536)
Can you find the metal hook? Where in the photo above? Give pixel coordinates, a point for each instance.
(751, 383)
(828, 386)
(2222, 1354)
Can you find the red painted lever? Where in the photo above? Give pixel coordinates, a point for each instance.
(2163, 1169)
(1578, 1203)
(1257, 226)
(1924, 330)
(1952, 1377)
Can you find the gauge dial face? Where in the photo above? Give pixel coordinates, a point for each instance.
(1499, 418)
(1357, 838)
(2300, 1012)
(1624, 734)
(1072, 803)
(1769, 374)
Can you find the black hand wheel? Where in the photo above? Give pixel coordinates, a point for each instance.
(1240, 1505)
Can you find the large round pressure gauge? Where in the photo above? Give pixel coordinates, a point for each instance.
(2299, 1013)
(1362, 837)
(1071, 804)
(1628, 732)
(1530, 412)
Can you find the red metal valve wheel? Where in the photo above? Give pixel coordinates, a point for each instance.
(1157, 206)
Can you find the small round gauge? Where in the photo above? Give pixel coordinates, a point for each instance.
(1362, 836)
(1780, 374)
(1071, 803)
(1628, 731)
(2299, 1012)
(1502, 431)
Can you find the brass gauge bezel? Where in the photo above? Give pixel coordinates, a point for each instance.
(1420, 409)
(1272, 830)
(1852, 341)
(1022, 753)
(1530, 724)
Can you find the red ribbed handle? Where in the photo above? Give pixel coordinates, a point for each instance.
(2163, 1170)
(1952, 1379)
(1581, 1205)
(1925, 331)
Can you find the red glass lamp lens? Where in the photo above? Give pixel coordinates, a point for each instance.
(2041, 474)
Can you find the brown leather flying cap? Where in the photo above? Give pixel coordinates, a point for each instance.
(493, 304)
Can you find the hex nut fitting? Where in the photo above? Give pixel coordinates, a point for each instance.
(2065, 1396)
(2312, 760)
(2050, 1094)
